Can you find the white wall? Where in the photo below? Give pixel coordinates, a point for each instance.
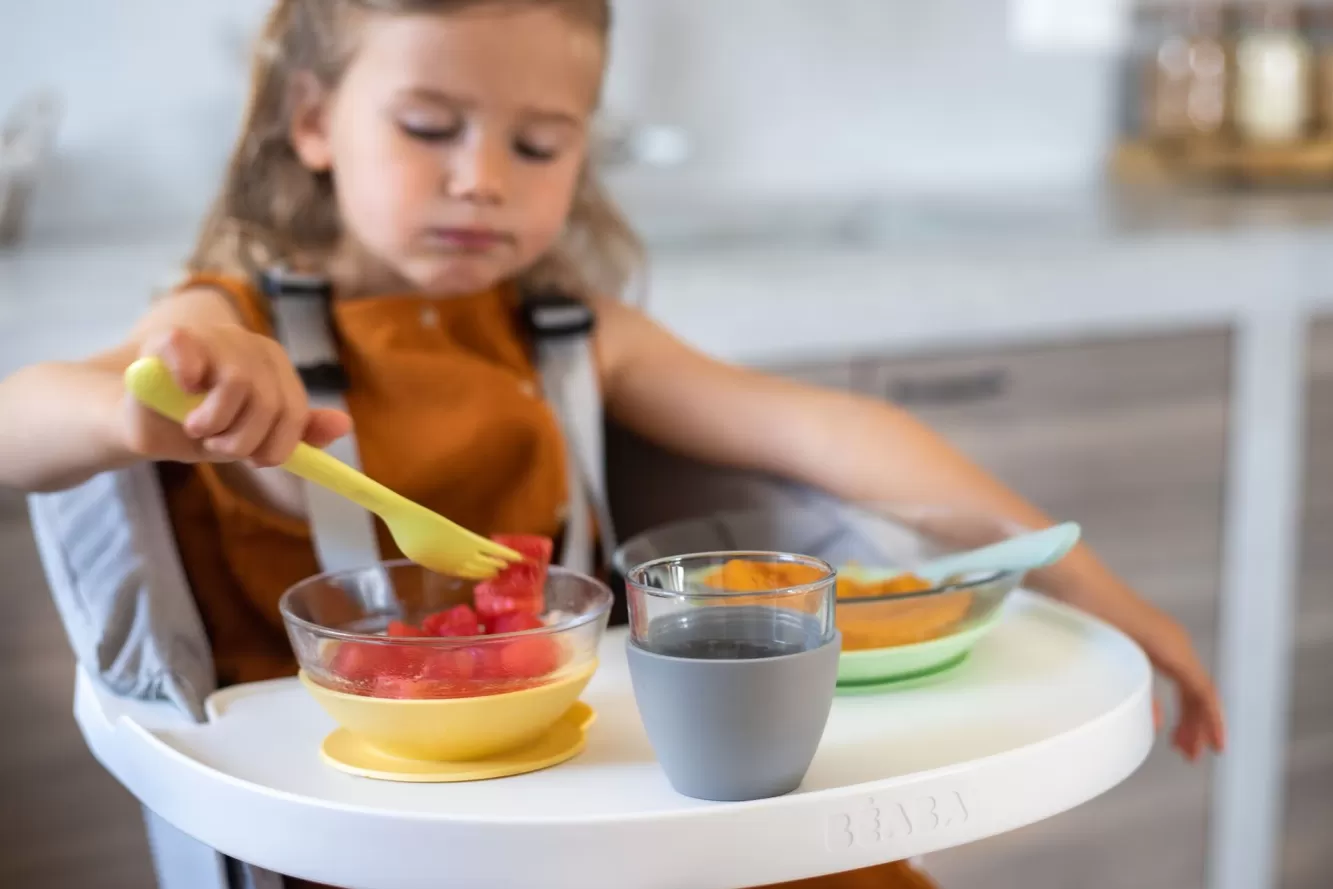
(799, 96)
(152, 93)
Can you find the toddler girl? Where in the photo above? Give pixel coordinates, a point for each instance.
(430, 157)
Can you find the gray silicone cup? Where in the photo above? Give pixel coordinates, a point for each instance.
(732, 730)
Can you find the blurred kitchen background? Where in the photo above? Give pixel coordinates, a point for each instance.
(1086, 239)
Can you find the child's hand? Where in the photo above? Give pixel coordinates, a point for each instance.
(1200, 722)
(255, 408)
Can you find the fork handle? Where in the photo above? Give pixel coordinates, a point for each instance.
(149, 381)
(328, 471)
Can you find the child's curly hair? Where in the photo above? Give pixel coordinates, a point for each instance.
(273, 209)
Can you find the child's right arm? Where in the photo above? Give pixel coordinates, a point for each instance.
(65, 422)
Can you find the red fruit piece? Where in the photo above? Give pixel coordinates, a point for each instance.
(460, 620)
(364, 662)
(517, 588)
(532, 547)
(458, 663)
(356, 662)
(530, 658)
(514, 622)
(486, 661)
(398, 628)
(521, 586)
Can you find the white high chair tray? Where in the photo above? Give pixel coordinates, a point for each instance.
(1052, 709)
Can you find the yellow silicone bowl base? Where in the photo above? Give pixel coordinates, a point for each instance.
(454, 729)
(563, 741)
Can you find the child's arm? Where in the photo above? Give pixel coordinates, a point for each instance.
(61, 423)
(862, 449)
(67, 421)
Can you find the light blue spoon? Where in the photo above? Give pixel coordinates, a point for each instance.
(1026, 552)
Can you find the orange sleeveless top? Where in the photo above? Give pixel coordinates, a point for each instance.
(446, 406)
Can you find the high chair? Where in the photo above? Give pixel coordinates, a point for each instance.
(234, 793)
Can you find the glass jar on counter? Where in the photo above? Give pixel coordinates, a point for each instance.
(1168, 76)
(1210, 70)
(1274, 76)
(1190, 73)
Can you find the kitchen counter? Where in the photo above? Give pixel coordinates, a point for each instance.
(936, 275)
(784, 283)
(910, 225)
(825, 280)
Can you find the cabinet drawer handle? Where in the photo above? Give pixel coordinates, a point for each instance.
(945, 390)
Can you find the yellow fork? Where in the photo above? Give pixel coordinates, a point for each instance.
(426, 538)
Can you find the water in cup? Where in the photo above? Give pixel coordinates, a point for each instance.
(734, 632)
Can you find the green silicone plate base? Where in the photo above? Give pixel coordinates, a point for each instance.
(881, 667)
(902, 683)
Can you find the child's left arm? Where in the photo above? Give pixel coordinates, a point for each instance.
(862, 449)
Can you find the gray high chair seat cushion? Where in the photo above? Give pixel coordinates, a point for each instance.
(648, 486)
(110, 558)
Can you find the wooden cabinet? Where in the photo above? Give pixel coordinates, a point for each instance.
(1127, 437)
(1307, 853)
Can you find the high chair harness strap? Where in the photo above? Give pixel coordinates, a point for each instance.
(342, 532)
(559, 326)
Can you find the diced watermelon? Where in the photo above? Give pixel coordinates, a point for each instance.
(532, 547)
(510, 602)
(486, 661)
(518, 588)
(458, 663)
(460, 620)
(364, 662)
(530, 658)
(514, 622)
(521, 586)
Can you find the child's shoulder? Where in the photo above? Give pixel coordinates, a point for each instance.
(626, 334)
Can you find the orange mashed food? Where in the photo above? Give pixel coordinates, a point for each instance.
(863, 624)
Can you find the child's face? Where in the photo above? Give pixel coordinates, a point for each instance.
(456, 141)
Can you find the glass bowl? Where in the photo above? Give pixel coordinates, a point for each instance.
(337, 624)
(432, 697)
(891, 630)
